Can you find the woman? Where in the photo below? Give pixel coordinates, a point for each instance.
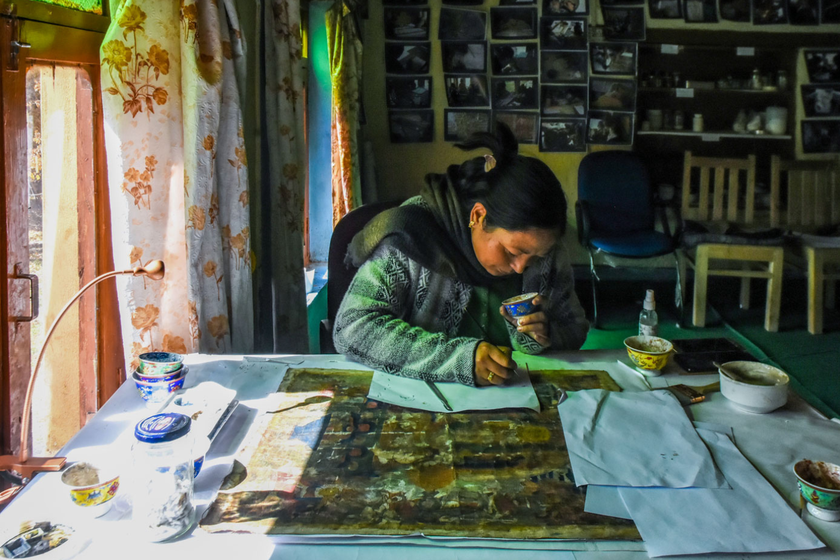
(426, 302)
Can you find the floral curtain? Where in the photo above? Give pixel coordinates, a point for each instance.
(178, 174)
(284, 118)
(345, 52)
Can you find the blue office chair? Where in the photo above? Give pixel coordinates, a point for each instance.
(616, 214)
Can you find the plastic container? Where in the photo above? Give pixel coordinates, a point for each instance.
(648, 321)
(163, 477)
(697, 123)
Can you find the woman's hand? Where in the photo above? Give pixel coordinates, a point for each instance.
(534, 325)
(493, 365)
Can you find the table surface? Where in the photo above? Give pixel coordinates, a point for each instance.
(772, 442)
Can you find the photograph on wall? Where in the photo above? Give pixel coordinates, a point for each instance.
(458, 124)
(821, 100)
(667, 9)
(411, 126)
(768, 12)
(606, 127)
(700, 11)
(462, 25)
(563, 67)
(563, 34)
(511, 59)
(820, 137)
(823, 66)
(563, 101)
(466, 91)
(407, 58)
(804, 12)
(515, 93)
(624, 24)
(517, 2)
(565, 7)
(408, 93)
(830, 11)
(562, 135)
(464, 57)
(407, 24)
(513, 23)
(735, 10)
(613, 58)
(523, 124)
(612, 95)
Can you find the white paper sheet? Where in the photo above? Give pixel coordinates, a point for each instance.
(749, 517)
(413, 393)
(605, 500)
(635, 439)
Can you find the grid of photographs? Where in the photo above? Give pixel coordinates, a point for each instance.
(408, 85)
(821, 102)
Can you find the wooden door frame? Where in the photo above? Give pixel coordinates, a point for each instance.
(101, 363)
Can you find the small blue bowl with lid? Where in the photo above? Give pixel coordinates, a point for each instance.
(163, 377)
(521, 305)
(158, 391)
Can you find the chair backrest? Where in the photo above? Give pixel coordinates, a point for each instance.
(615, 185)
(811, 198)
(339, 274)
(722, 181)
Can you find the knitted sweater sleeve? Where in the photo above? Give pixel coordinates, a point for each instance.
(370, 326)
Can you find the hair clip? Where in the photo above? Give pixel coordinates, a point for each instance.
(489, 162)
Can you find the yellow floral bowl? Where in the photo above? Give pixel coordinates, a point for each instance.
(648, 353)
(90, 487)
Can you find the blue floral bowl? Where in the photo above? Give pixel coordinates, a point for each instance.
(158, 378)
(159, 391)
(520, 306)
(158, 363)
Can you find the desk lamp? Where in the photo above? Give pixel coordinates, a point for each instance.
(24, 465)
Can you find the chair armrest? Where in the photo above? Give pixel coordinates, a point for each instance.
(325, 337)
(583, 222)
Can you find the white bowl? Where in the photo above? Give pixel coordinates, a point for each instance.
(753, 386)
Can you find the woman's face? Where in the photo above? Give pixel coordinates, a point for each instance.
(502, 252)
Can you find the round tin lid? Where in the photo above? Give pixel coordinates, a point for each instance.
(162, 427)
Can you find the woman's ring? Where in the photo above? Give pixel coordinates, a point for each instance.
(490, 377)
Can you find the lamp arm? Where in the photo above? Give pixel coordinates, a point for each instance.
(27, 403)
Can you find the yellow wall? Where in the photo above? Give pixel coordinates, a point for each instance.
(401, 167)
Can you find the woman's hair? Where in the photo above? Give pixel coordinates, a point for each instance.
(519, 193)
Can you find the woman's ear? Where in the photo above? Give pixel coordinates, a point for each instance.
(478, 214)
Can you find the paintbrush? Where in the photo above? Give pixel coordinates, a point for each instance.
(692, 395)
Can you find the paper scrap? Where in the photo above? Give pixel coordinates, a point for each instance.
(749, 517)
(414, 393)
(635, 439)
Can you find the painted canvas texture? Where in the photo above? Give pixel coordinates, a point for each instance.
(330, 461)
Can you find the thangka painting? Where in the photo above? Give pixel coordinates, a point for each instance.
(328, 460)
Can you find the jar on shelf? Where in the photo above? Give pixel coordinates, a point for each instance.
(757, 81)
(697, 123)
(782, 80)
(162, 477)
(679, 120)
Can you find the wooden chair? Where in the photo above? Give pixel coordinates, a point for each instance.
(721, 185)
(811, 201)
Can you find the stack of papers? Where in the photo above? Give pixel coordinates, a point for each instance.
(617, 442)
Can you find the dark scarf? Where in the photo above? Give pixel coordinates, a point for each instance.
(434, 234)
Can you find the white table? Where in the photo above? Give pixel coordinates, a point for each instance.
(772, 442)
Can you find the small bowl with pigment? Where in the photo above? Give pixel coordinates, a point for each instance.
(90, 487)
(158, 363)
(162, 377)
(648, 353)
(521, 305)
(819, 484)
(158, 391)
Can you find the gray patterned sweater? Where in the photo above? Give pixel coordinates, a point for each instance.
(401, 318)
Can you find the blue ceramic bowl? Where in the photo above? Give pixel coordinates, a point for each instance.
(159, 363)
(158, 392)
(520, 306)
(159, 378)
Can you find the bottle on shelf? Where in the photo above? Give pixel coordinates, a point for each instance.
(648, 321)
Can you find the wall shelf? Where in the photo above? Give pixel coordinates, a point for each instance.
(713, 136)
